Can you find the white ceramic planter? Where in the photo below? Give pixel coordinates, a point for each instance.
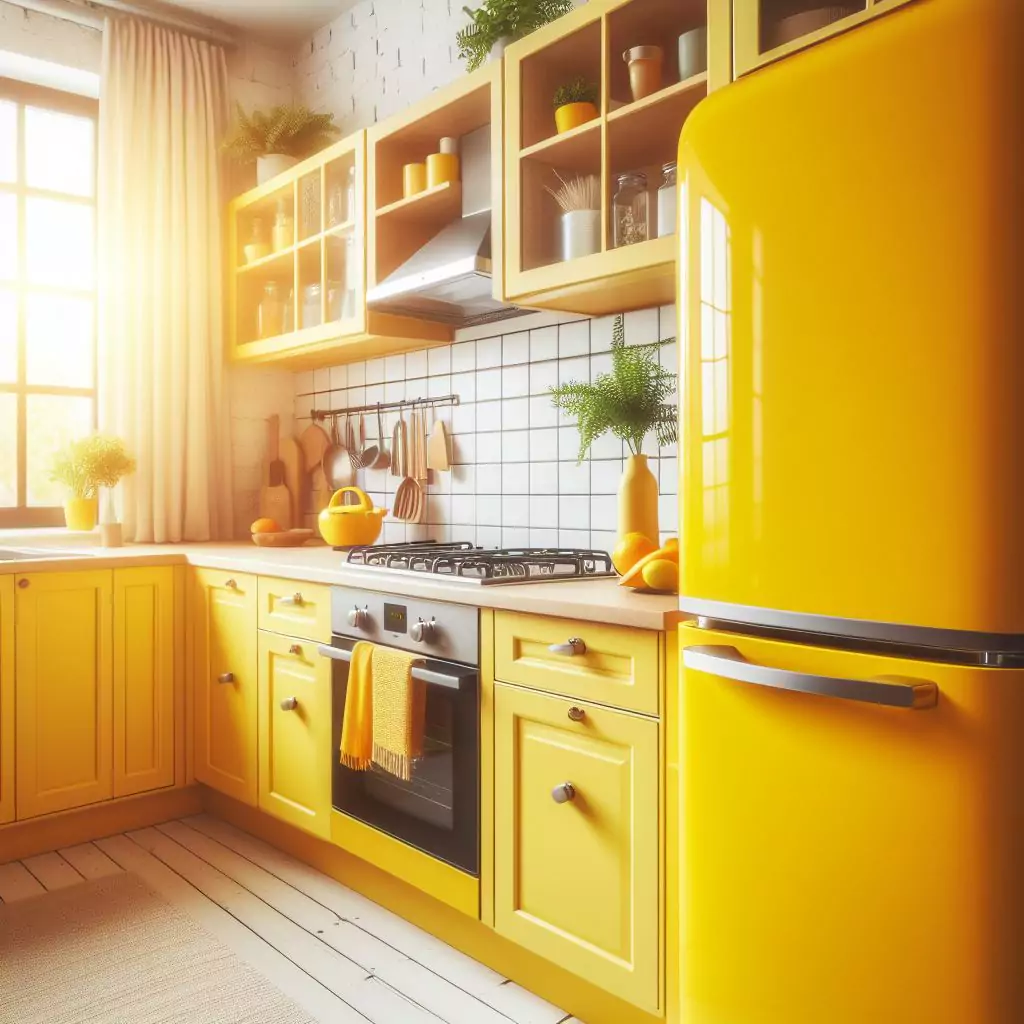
(581, 233)
(271, 165)
(693, 52)
(498, 49)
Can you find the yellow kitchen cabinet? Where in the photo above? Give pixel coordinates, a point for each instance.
(225, 679)
(295, 609)
(64, 691)
(145, 648)
(6, 699)
(295, 733)
(576, 839)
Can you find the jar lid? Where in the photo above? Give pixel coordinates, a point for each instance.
(633, 178)
(670, 166)
(311, 289)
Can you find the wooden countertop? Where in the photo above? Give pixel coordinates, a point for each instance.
(598, 600)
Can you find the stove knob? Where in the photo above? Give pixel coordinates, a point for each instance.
(423, 632)
(358, 618)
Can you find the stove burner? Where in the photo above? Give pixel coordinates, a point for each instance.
(479, 565)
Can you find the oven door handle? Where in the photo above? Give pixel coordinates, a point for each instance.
(424, 675)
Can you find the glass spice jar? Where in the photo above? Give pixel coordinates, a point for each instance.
(270, 312)
(667, 201)
(631, 210)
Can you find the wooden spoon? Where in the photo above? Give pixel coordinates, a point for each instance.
(437, 447)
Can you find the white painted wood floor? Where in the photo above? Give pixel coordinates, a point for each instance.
(338, 955)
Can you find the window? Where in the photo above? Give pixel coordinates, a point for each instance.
(47, 291)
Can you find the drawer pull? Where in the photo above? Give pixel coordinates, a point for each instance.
(227, 677)
(231, 585)
(295, 599)
(576, 714)
(295, 649)
(289, 703)
(573, 646)
(563, 793)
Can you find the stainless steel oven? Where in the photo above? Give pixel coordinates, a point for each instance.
(438, 809)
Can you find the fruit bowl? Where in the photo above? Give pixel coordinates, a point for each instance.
(282, 539)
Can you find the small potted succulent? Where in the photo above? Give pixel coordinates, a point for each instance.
(83, 467)
(279, 138)
(496, 23)
(575, 104)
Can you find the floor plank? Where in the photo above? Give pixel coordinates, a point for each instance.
(292, 980)
(90, 861)
(360, 990)
(17, 883)
(472, 977)
(53, 871)
(438, 995)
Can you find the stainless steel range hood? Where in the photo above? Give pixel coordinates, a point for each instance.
(449, 279)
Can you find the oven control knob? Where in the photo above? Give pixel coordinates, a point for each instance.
(423, 632)
(358, 617)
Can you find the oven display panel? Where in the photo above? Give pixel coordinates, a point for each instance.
(395, 618)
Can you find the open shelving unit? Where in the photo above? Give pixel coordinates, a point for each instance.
(627, 135)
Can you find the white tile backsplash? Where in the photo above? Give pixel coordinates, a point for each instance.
(514, 480)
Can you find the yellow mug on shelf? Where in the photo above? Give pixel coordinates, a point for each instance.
(414, 179)
(345, 526)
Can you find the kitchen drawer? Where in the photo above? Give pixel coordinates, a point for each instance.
(295, 609)
(613, 665)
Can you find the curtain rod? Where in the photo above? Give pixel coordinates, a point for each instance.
(90, 17)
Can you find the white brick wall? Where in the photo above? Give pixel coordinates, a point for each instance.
(38, 35)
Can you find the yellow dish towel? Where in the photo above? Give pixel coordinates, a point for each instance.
(385, 710)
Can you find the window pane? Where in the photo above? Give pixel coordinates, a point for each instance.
(8, 336)
(8, 237)
(8, 140)
(59, 242)
(59, 151)
(8, 450)
(51, 422)
(58, 341)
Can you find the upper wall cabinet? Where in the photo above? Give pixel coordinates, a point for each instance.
(647, 62)
(297, 268)
(766, 30)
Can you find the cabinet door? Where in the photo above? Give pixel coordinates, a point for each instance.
(295, 733)
(144, 653)
(576, 858)
(6, 699)
(224, 675)
(63, 677)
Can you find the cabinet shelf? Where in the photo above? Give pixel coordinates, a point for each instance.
(693, 89)
(265, 266)
(577, 150)
(441, 203)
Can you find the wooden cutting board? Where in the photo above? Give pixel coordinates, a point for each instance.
(275, 500)
(291, 456)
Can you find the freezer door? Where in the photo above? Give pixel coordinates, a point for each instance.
(849, 854)
(851, 309)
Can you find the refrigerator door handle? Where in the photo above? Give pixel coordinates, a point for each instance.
(729, 663)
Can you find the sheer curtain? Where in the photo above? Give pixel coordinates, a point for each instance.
(163, 106)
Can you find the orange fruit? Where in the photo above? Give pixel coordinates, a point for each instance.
(634, 578)
(265, 526)
(630, 550)
(661, 574)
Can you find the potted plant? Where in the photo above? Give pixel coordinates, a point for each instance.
(631, 403)
(575, 104)
(580, 201)
(83, 467)
(496, 23)
(279, 138)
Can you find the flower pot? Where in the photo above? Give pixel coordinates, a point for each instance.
(271, 165)
(638, 500)
(80, 514)
(572, 115)
(581, 233)
(644, 69)
(498, 47)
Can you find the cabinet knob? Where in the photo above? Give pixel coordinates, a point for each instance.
(573, 646)
(295, 649)
(231, 585)
(227, 677)
(23, 583)
(576, 714)
(295, 599)
(289, 703)
(563, 793)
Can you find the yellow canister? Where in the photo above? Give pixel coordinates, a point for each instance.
(414, 179)
(442, 167)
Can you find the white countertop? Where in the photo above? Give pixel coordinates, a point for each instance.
(597, 600)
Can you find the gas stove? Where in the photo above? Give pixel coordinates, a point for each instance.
(482, 566)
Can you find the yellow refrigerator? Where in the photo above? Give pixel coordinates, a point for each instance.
(852, 530)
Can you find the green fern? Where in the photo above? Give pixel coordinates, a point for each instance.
(290, 131)
(630, 401)
(498, 18)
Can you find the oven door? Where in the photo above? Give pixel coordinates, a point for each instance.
(438, 809)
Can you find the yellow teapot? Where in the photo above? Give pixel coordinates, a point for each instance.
(345, 526)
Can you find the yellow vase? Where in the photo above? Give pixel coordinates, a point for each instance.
(80, 514)
(638, 499)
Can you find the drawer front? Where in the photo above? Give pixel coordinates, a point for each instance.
(613, 665)
(295, 609)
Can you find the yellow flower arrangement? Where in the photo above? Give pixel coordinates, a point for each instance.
(85, 465)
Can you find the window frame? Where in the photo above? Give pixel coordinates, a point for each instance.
(23, 515)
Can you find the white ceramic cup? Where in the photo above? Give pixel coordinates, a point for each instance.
(693, 52)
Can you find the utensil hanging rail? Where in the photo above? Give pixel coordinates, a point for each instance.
(405, 403)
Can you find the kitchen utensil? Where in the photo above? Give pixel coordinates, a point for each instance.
(291, 456)
(275, 501)
(367, 452)
(383, 460)
(320, 490)
(344, 525)
(314, 442)
(337, 460)
(354, 447)
(285, 539)
(396, 447)
(368, 456)
(437, 448)
(409, 495)
(644, 69)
